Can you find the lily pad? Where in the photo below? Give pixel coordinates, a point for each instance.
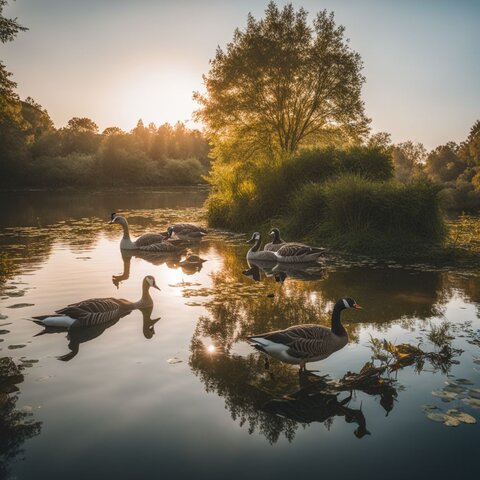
(463, 381)
(473, 402)
(461, 416)
(436, 416)
(454, 389)
(451, 421)
(445, 396)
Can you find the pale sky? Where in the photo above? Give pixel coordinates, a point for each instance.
(116, 61)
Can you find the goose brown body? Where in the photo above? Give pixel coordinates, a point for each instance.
(298, 253)
(300, 344)
(186, 231)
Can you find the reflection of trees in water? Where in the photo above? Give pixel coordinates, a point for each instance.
(16, 426)
(49, 207)
(278, 401)
(388, 295)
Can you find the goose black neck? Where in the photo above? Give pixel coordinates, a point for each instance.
(276, 238)
(337, 327)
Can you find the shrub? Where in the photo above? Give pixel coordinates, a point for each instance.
(370, 216)
(245, 197)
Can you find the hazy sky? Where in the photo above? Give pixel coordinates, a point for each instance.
(116, 61)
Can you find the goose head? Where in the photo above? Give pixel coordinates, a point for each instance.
(149, 281)
(255, 238)
(347, 302)
(118, 219)
(169, 232)
(274, 232)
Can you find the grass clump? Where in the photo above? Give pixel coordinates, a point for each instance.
(368, 216)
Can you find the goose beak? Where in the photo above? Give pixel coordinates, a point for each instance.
(252, 240)
(156, 286)
(357, 306)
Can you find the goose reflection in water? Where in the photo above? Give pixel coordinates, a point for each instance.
(281, 271)
(170, 259)
(278, 401)
(78, 335)
(315, 403)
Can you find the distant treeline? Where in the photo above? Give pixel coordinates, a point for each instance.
(33, 153)
(454, 167)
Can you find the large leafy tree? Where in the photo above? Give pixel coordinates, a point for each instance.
(282, 83)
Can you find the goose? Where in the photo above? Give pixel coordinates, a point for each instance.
(192, 260)
(306, 343)
(148, 242)
(298, 253)
(255, 253)
(186, 231)
(276, 242)
(96, 311)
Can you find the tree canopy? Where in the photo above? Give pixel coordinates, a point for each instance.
(282, 83)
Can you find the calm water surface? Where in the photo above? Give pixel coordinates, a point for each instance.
(177, 392)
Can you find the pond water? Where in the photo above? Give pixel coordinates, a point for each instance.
(177, 392)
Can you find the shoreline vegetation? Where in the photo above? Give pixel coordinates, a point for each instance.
(286, 143)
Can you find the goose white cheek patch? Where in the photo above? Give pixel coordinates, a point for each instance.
(345, 303)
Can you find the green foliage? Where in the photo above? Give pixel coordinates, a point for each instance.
(363, 215)
(282, 83)
(9, 27)
(248, 194)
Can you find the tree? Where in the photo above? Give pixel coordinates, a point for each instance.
(9, 27)
(113, 131)
(82, 125)
(281, 83)
(408, 158)
(443, 164)
(381, 141)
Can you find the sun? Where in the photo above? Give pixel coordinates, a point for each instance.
(157, 97)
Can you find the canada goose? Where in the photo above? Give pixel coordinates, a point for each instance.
(186, 231)
(96, 311)
(148, 242)
(276, 242)
(298, 253)
(306, 343)
(255, 253)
